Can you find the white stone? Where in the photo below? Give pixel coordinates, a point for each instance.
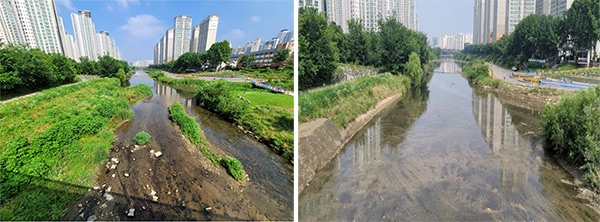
(158, 154)
(113, 176)
(130, 214)
(126, 174)
(115, 160)
(92, 218)
(114, 166)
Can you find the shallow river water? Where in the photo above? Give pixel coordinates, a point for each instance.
(445, 153)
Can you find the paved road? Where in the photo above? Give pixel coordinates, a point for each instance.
(506, 75)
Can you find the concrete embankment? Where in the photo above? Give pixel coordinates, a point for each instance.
(320, 140)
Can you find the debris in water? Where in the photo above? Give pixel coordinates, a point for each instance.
(208, 208)
(80, 205)
(92, 218)
(108, 197)
(130, 214)
(158, 154)
(113, 176)
(115, 160)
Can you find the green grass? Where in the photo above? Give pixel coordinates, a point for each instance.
(191, 130)
(52, 143)
(343, 102)
(270, 116)
(142, 138)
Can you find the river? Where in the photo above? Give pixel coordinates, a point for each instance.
(447, 152)
(183, 183)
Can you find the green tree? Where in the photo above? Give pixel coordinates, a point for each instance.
(582, 25)
(188, 60)
(534, 37)
(218, 53)
(317, 51)
(280, 58)
(247, 61)
(357, 43)
(122, 77)
(397, 45)
(414, 70)
(65, 71)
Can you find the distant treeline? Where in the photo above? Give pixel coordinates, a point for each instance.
(29, 68)
(542, 37)
(393, 48)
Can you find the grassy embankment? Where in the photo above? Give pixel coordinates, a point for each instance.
(283, 77)
(191, 130)
(342, 103)
(52, 143)
(269, 116)
(478, 73)
(572, 130)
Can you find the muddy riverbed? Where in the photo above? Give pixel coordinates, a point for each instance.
(169, 179)
(446, 153)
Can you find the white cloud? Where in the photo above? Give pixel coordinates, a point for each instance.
(255, 18)
(144, 25)
(235, 34)
(124, 4)
(67, 4)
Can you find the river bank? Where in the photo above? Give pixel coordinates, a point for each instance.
(52, 144)
(332, 115)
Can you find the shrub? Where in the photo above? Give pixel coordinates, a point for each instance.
(234, 168)
(572, 130)
(142, 138)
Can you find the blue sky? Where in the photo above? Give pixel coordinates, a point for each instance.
(439, 17)
(137, 25)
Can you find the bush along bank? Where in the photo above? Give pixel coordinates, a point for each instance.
(191, 130)
(269, 117)
(343, 102)
(572, 130)
(52, 143)
(535, 97)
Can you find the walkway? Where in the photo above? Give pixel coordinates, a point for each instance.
(506, 76)
(177, 76)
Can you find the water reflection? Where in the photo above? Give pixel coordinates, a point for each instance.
(448, 67)
(458, 156)
(186, 99)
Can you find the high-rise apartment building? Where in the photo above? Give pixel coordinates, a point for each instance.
(517, 11)
(318, 4)
(495, 18)
(542, 7)
(453, 42)
(169, 46)
(85, 33)
(181, 39)
(204, 34)
(559, 7)
(31, 22)
(369, 12)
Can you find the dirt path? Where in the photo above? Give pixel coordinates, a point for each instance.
(506, 75)
(176, 76)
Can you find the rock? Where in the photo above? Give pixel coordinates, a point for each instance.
(114, 166)
(143, 208)
(158, 154)
(134, 158)
(136, 146)
(152, 193)
(126, 175)
(82, 215)
(154, 198)
(115, 160)
(80, 205)
(208, 208)
(113, 176)
(108, 197)
(151, 151)
(104, 205)
(130, 214)
(92, 218)
(96, 187)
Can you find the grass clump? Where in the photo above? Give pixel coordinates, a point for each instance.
(342, 103)
(234, 167)
(52, 143)
(572, 130)
(191, 130)
(142, 138)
